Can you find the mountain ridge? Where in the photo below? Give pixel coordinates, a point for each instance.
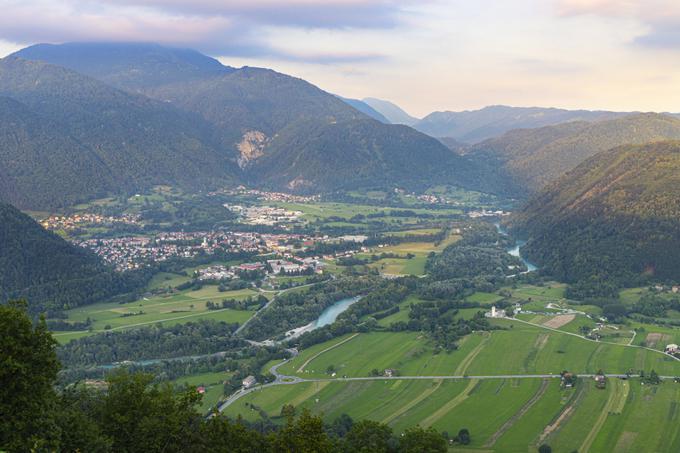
(612, 221)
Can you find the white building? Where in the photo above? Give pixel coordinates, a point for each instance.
(249, 382)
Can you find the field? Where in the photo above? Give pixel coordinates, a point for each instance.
(169, 309)
(502, 414)
(412, 266)
(213, 383)
(520, 349)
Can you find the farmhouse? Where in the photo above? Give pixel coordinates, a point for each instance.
(600, 381)
(568, 379)
(249, 382)
(671, 348)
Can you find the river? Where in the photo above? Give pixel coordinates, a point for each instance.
(328, 316)
(515, 250)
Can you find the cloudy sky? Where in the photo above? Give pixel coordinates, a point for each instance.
(425, 55)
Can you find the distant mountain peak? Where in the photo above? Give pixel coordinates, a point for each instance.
(391, 111)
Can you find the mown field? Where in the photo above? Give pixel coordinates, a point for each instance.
(518, 349)
(408, 266)
(502, 414)
(180, 307)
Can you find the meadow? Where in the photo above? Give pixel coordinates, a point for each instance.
(213, 384)
(502, 415)
(184, 306)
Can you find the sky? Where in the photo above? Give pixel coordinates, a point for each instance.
(424, 55)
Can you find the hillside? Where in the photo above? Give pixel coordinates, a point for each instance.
(274, 127)
(610, 221)
(535, 157)
(474, 126)
(129, 66)
(391, 111)
(366, 109)
(359, 154)
(48, 271)
(99, 139)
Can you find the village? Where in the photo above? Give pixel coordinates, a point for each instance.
(72, 222)
(135, 252)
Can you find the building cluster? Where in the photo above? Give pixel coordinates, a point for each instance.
(264, 215)
(485, 213)
(74, 221)
(268, 196)
(134, 252)
(270, 267)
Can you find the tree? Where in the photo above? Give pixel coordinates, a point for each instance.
(369, 436)
(419, 440)
(463, 436)
(144, 417)
(304, 435)
(288, 411)
(341, 425)
(28, 368)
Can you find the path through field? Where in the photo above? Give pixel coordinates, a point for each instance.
(520, 413)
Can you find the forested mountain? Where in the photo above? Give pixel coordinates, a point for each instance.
(473, 126)
(391, 111)
(300, 157)
(609, 222)
(83, 138)
(282, 132)
(130, 66)
(534, 157)
(48, 271)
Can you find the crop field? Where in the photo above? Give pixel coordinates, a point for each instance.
(503, 415)
(520, 349)
(171, 309)
(409, 353)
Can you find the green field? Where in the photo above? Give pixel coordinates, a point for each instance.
(404, 266)
(169, 309)
(213, 383)
(520, 349)
(503, 415)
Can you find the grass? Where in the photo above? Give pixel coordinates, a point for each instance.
(413, 266)
(484, 298)
(213, 383)
(406, 352)
(169, 309)
(502, 414)
(519, 349)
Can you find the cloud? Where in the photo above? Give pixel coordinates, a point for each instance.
(304, 13)
(660, 18)
(221, 27)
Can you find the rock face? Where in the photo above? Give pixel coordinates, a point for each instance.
(251, 147)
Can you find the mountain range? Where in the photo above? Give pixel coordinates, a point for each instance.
(531, 158)
(474, 126)
(144, 114)
(609, 222)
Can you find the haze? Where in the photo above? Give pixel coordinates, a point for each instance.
(424, 55)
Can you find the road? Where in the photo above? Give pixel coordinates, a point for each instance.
(282, 379)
